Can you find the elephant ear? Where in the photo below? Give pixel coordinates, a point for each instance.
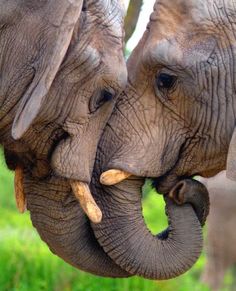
(231, 159)
(54, 23)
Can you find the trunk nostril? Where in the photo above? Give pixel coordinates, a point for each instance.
(177, 193)
(183, 193)
(124, 235)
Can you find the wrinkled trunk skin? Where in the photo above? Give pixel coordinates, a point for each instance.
(61, 223)
(123, 233)
(126, 239)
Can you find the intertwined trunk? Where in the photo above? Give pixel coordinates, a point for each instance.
(61, 223)
(123, 233)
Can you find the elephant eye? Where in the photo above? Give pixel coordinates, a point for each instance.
(85, 6)
(104, 97)
(165, 81)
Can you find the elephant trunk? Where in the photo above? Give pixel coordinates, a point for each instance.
(127, 240)
(62, 224)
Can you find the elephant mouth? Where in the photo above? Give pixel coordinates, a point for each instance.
(163, 181)
(38, 167)
(169, 185)
(163, 184)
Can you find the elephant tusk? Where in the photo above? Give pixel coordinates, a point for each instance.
(113, 177)
(85, 198)
(19, 190)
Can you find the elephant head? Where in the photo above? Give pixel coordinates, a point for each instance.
(59, 86)
(174, 120)
(178, 112)
(61, 68)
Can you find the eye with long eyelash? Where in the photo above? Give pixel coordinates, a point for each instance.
(165, 81)
(85, 6)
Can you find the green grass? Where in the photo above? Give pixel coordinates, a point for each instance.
(27, 264)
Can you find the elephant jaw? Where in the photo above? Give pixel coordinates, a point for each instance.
(164, 177)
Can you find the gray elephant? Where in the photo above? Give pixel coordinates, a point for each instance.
(221, 239)
(175, 120)
(55, 211)
(53, 126)
(61, 69)
(56, 85)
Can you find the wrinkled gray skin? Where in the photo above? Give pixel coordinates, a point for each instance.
(61, 69)
(186, 129)
(221, 238)
(177, 115)
(52, 88)
(125, 237)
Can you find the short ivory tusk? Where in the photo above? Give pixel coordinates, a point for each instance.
(113, 177)
(88, 204)
(19, 190)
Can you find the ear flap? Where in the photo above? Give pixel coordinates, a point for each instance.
(54, 24)
(231, 159)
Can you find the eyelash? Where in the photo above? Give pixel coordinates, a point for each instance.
(165, 81)
(84, 6)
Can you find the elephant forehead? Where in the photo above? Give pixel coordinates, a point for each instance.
(110, 14)
(122, 4)
(180, 34)
(183, 53)
(181, 10)
(110, 7)
(8, 8)
(171, 15)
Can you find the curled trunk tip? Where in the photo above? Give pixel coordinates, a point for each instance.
(126, 239)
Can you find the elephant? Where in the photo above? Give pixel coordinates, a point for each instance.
(61, 69)
(45, 98)
(220, 247)
(175, 120)
(51, 140)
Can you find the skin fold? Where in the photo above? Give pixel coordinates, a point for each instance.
(176, 117)
(220, 247)
(62, 67)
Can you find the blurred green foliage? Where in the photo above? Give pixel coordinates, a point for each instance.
(27, 264)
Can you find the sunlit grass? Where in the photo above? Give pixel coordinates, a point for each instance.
(153, 209)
